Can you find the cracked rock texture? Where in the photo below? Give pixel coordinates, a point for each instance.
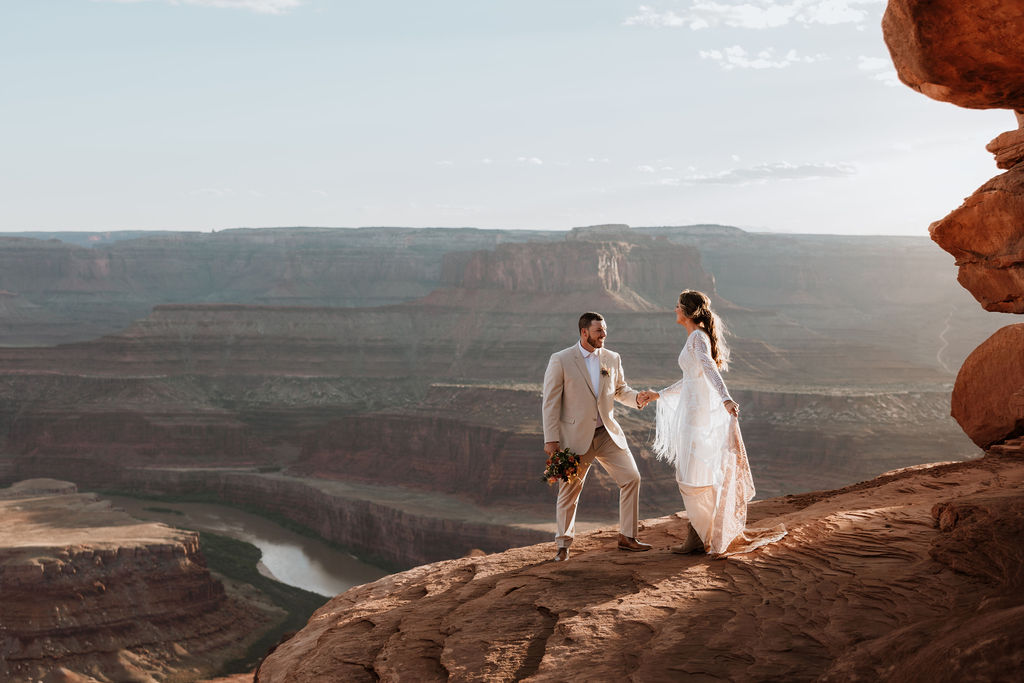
(988, 397)
(915, 575)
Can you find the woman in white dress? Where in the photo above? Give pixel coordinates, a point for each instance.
(698, 432)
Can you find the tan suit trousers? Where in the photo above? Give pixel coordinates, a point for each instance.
(620, 466)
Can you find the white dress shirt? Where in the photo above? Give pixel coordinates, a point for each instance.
(594, 367)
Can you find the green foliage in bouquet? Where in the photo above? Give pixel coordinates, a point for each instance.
(563, 465)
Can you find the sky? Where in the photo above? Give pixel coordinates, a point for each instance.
(771, 115)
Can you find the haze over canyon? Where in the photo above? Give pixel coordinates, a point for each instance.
(412, 358)
(380, 386)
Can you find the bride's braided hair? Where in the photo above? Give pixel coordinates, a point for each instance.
(697, 307)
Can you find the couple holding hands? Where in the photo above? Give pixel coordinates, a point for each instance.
(697, 431)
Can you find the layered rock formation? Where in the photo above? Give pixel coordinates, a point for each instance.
(1008, 147)
(572, 276)
(788, 293)
(915, 575)
(88, 291)
(89, 591)
(987, 238)
(439, 395)
(481, 443)
(971, 54)
(395, 527)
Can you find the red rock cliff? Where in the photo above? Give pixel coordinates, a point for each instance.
(915, 575)
(89, 590)
(971, 54)
(641, 275)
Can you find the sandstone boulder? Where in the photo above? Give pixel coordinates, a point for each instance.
(968, 52)
(986, 235)
(988, 397)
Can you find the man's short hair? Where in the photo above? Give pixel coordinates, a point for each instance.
(588, 318)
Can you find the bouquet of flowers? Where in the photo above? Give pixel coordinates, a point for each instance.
(564, 465)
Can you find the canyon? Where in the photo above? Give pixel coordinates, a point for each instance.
(380, 387)
(913, 575)
(91, 594)
(410, 360)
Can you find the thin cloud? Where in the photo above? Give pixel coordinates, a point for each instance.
(736, 57)
(531, 160)
(754, 14)
(880, 68)
(889, 78)
(258, 6)
(763, 173)
(648, 16)
(873, 63)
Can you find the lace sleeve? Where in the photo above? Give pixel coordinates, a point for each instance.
(703, 352)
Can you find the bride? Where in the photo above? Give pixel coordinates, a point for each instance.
(698, 431)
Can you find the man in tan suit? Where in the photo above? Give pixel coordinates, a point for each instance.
(580, 387)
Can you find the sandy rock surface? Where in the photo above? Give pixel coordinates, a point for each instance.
(988, 397)
(913, 575)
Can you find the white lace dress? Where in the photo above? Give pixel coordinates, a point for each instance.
(697, 435)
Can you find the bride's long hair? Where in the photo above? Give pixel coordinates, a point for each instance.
(697, 307)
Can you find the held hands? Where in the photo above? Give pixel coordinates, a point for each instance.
(551, 447)
(646, 396)
(733, 407)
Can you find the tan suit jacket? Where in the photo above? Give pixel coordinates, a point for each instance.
(571, 405)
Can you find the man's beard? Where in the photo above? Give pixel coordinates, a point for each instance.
(594, 343)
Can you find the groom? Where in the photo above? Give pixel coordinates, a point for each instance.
(579, 387)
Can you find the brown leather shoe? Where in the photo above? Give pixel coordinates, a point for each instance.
(692, 544)
(627, 543)
(561, 556)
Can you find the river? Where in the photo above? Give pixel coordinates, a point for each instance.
(288, 557)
